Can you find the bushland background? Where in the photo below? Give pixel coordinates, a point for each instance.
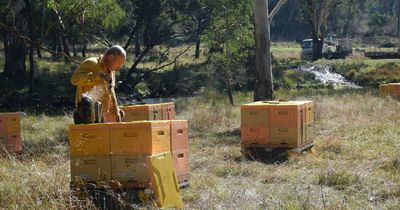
(201, 54)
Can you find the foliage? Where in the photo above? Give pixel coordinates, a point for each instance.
(371, 73)
(231, 42)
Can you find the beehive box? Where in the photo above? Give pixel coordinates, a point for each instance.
(10, 132)
(142, 112)
(276, 124)
(89, 139)
(390, 89)
(130, 169)
(168, 111)
(140, 137)
(179, 134)
(90, 169)
(181, 163)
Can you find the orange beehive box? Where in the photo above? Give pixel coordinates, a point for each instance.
(276, 124)
(142, 112)
(168, 111)
(87, 169)
(11, 142)
(390, 89)
(140, 137)
(10, 123)
(89, 139)
(254, 135)
(288, 113)
(10, 132)
(181, 163)
(179, 134)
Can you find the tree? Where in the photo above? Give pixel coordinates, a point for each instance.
(157, 22)
(262, 16)
(17, 49)
(315, 13)
(230, 35)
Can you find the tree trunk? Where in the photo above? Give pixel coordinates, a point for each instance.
(264, 85)
(317, 48)
(63, 35)
(229, 88)
(84, 49)
(398, 17)
(197, 52)
(16, 52)
(5, 43)
(54, 43)
(137, 44)
(31, 49)
(59, 46)
(74, 49)
(39, 54)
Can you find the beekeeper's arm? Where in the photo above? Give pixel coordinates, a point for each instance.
(114, 102)
(87, 75)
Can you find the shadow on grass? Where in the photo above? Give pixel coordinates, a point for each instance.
(228, 137)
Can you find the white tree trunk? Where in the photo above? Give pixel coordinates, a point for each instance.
(264, 85)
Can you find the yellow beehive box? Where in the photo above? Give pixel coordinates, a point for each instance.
(140, 137)
(90, 169)
(309, 112)
(287, 137)
(89, 139)
(164, 181)
(142, 112)
(130, 169)
(309, 133)
(254, 114)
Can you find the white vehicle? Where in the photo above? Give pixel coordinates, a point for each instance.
(332, 48)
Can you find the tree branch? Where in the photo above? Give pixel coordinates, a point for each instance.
(128, 43)
(30, 42)
(276, 9)
(161, 67)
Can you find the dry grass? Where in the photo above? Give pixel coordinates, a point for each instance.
(355, 164)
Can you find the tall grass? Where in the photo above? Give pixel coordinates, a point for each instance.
(355, 164)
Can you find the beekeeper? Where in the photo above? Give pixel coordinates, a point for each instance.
(95, 77)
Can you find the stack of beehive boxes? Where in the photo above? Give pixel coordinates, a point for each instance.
(277, 124)
(10, 132)
(178, 130)
(120, 155)
(390, 89)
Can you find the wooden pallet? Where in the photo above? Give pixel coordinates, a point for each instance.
(266, 154)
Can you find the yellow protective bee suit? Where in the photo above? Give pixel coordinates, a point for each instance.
(88, 81)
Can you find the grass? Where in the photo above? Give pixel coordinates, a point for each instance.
(366, 72)
(355, 163)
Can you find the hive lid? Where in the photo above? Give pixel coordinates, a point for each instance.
(140, 106)
(164, 181)
(144, 123)
(269, 104)
(90, 126)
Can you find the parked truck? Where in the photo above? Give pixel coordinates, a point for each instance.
(333, 48)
